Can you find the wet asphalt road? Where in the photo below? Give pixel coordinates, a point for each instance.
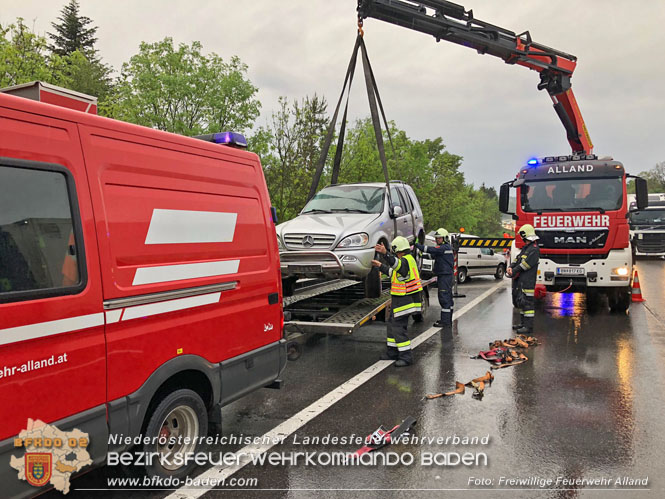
(588, 404)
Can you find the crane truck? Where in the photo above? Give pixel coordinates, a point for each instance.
(576, 202)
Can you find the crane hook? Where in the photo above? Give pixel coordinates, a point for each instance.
(360, 26)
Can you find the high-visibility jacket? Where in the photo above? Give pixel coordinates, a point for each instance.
(405, 284)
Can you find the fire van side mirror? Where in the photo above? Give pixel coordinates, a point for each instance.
(641, 193)
(504, 198)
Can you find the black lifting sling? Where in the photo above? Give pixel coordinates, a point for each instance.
(374, 98)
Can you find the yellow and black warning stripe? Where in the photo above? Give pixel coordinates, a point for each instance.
(485, 242)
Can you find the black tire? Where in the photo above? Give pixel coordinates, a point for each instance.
(593, 300)
(619, 301)
(372, 282)
(462, 275)
(500, 271)
(420, 316)
(288, 285)
(187, 414)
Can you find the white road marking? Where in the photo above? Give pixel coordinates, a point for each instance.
(283, 430)
(163, 307)
(186, 226)
(41, 329)
(166, 273)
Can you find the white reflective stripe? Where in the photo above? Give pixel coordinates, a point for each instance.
(448, 252)
(402, 349)
(42, 329)
(165, 273)
(528, 314)
(407, 311)
(170, 306)
(392, 344)
(445, 310)
(113, 316)
(184, 226)
(425, 249)
(394, 266)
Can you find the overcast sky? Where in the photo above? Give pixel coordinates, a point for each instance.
(485, 110)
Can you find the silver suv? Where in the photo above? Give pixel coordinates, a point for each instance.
(335, 233)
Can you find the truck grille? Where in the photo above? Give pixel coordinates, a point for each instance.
(651, 243)
(579, 239)
(309, 241)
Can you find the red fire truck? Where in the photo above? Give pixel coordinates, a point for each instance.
(140, 286)
(577, 203)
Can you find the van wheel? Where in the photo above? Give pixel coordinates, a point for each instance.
(462, 275)
(372, 282)
(500, 271)
(183, 416)
(619, 300)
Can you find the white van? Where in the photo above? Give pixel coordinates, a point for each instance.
(477, 261)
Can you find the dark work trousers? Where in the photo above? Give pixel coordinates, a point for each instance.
(516, 292)
(445, 285)
(399, 343)
(526, 303)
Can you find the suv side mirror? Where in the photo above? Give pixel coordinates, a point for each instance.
(641, 193)
(397, 211)
(504, 198)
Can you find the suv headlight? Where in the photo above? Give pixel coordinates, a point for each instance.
(354, 241)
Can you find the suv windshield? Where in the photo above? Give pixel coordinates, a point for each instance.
(572, 194)
(347, 198)
(648, 217)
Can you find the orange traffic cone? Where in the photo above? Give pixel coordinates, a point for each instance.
(636, 292)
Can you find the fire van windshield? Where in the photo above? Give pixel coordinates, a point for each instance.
(584, 194)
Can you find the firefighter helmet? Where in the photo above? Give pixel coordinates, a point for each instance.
(400, 243)
(442, 233)
(528, 232)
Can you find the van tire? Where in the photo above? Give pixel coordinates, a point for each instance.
(619, 300)
(500, 272)
(372, 282)
(188, 415)
(462, 275)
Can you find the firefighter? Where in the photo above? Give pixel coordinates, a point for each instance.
(524, 271)
(405, 292)
(444, 265)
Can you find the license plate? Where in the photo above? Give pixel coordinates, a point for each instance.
(305, 269)
(570, 270)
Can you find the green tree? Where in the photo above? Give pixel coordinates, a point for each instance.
(655, 178)
(74, 40)
(184, 91)
(24, 57)
(294, 140)
(73, 32)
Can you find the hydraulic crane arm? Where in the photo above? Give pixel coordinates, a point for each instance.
(451, 22)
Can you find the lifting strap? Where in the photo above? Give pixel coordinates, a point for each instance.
(374, 97)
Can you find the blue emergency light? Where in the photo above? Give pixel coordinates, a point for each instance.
(227, 138)
(532, 162)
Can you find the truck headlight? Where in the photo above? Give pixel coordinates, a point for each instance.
(279, 242)
(354, 241)
(622, 271)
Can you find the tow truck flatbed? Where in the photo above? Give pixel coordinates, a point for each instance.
(336, 307)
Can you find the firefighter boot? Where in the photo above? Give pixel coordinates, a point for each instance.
(527, 326)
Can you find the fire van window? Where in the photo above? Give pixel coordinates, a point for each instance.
(37, 243)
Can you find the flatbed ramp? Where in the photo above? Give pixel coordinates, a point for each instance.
(336, 307)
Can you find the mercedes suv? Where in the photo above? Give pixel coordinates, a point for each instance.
(335, 233)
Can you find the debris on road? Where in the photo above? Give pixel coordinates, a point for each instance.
(382, 437)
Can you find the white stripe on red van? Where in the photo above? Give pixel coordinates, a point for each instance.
(42, 329)
(166, 273)
(186, 226)
(170, 306)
